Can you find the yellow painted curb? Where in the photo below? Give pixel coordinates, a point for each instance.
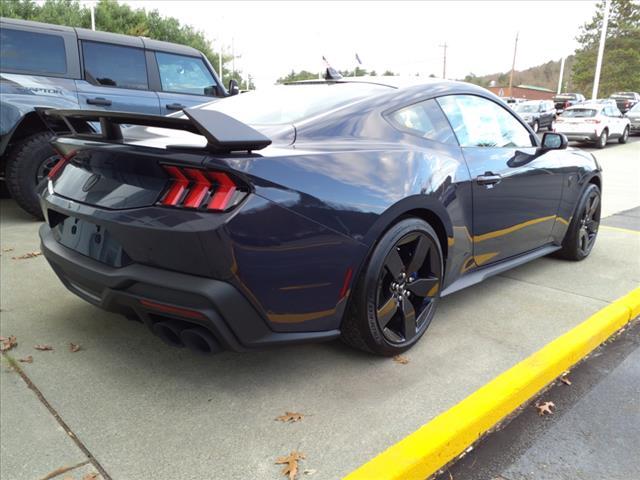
(435, 444)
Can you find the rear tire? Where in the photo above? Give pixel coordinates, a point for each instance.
(603, 139)
(583, 229)
(625, 136)
(396, 296)
(28, 163)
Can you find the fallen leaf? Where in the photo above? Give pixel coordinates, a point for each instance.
(291, 461)
(90, 476)
(309, 471)
(545, 408)
(7, 249)
(291, 417)
(8, 343)
(43, 348)
(27, 359)
(73, 347)
(27, 255)
(68, 478)
(565, 380)
(401, 359)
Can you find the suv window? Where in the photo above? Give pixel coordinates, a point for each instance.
(182, 74)
(479, 122)
(114, 66)
(424, 119)
(32, 52)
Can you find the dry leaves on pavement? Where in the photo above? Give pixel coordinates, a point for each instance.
(74, 347)
(27, 359)
(290, 417)
(43, 348)
(27, 255)
(545, 408)
(565, 380)
(290, 463)
(401, 359)
(8, 343)
(91, 476)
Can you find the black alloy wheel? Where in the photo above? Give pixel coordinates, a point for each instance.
(625, 136)
(589, 223)
(396, 297)
(603, 139)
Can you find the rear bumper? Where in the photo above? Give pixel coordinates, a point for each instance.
(580, 136)
(134, 289)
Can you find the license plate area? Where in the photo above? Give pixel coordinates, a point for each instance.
(91, 240)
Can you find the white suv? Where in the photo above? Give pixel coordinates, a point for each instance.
(593, 122)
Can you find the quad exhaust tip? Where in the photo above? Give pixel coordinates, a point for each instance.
(197, 339)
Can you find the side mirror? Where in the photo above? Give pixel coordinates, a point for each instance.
(234, 89)
(554, 141)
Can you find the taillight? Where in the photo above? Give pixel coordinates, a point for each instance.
(200, 189)
(566, 104)
(559, 120)
(594, 120)
(56, 170)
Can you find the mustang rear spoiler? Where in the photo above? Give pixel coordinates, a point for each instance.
(223, 133)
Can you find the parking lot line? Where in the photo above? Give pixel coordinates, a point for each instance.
(443, 439)
(620, 229)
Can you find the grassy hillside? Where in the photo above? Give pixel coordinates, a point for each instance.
(545, 75)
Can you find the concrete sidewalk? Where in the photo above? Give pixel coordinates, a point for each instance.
(144, 410)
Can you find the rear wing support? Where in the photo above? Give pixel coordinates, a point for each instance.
(224, 134)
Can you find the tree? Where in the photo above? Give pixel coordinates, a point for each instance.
(621, 59)
(115, 17)
(388, 73)
(297, 76)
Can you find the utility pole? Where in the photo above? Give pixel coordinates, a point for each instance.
(513, 65)
(603, 37)
(561, 75)
(444, 60)
(233, 58)
(220, 63)
(92, 7)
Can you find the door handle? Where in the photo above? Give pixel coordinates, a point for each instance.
(103, 102)
(175, 106)
(489, 179)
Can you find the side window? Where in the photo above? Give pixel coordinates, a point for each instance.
(32, 52)
(479, 122)
(114, 65)
(424, 119)
(182, 74)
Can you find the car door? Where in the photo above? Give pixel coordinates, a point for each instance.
(185, 81)
(115, 78)
(516, 188)
(616, 120)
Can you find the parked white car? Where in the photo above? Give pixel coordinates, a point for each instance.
(593, 122)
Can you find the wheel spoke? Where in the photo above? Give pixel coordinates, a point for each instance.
(583, 239)
(409, 317)
(419, 255)
(422, 287)
(393, 263)
(593, 207)
(387, 311)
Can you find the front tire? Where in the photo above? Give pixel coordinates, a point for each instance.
(536, 126)
(583, 229)
(29, 163)
(625, 136)
(396, 295)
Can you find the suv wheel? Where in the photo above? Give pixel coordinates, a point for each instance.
(625, 136)
(28, 164)
(536, 126)
(602, 139)
(396, 295)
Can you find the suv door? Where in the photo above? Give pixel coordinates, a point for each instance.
(614, 120)
(516, 190)
(185, 81)
(115, 78)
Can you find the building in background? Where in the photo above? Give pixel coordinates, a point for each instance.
(530, 92)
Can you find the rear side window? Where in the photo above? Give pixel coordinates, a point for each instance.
(182, 74)
(114, 66)
(32, 52)
(424, 119)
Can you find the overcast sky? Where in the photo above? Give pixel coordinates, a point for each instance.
(273, 38)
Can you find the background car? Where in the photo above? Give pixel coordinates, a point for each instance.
(51, 66)
(563, 101)
(593, 122)
(310, 211)
(634, 118)
(626, 100)
(537, 113)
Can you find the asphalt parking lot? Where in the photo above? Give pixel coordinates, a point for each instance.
(136, 409)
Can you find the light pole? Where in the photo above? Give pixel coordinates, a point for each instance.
(603, 37)
(561, 75)
(513, 65)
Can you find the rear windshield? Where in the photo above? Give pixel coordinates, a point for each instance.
(579, 113)
(527, 107)
(38, 53)
(623, 95)
(287, 104)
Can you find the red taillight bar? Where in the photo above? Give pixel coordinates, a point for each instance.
(190, 187)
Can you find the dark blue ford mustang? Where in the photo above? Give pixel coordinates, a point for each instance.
(309, 211)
